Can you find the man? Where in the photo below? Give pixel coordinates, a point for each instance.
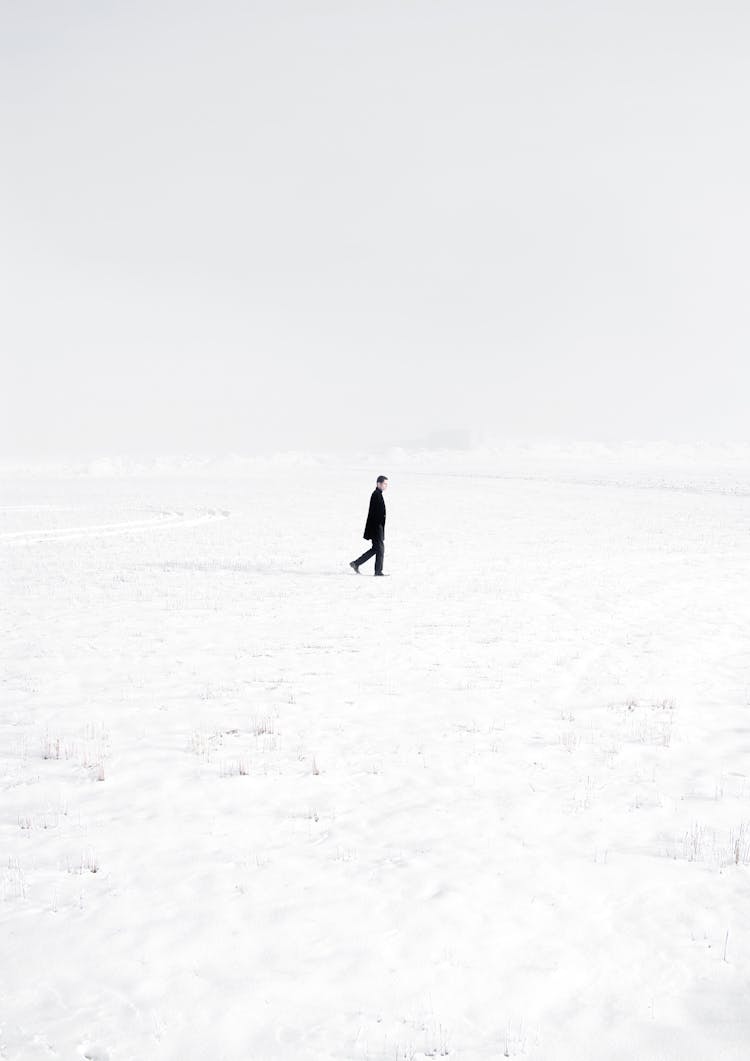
(375, 528)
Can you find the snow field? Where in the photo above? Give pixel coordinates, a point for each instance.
(254, 806)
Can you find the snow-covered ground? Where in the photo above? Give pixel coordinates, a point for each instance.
(496, 805)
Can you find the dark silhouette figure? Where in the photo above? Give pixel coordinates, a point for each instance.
(375, 528)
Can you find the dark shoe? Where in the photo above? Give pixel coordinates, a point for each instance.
(354, 566)
(380, 574)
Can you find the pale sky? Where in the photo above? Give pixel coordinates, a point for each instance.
(246, 226)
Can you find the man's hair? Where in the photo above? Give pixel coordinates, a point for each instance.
(382, 478)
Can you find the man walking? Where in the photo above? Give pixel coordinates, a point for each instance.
(375, 528)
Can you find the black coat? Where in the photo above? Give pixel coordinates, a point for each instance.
(376, 515)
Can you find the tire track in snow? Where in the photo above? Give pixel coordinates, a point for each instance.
(108, 530)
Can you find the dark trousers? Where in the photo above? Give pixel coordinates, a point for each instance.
(377, 550)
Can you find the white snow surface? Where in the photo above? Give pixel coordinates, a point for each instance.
(496, 805)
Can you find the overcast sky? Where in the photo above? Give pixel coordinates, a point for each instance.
(251, 225)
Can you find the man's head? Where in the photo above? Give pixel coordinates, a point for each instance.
(382, 482)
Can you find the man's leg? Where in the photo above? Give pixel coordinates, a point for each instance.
(378, 545)
(365, 556)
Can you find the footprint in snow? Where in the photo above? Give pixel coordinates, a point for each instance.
(94, 1053)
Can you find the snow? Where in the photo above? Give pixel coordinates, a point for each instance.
(497, 805)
